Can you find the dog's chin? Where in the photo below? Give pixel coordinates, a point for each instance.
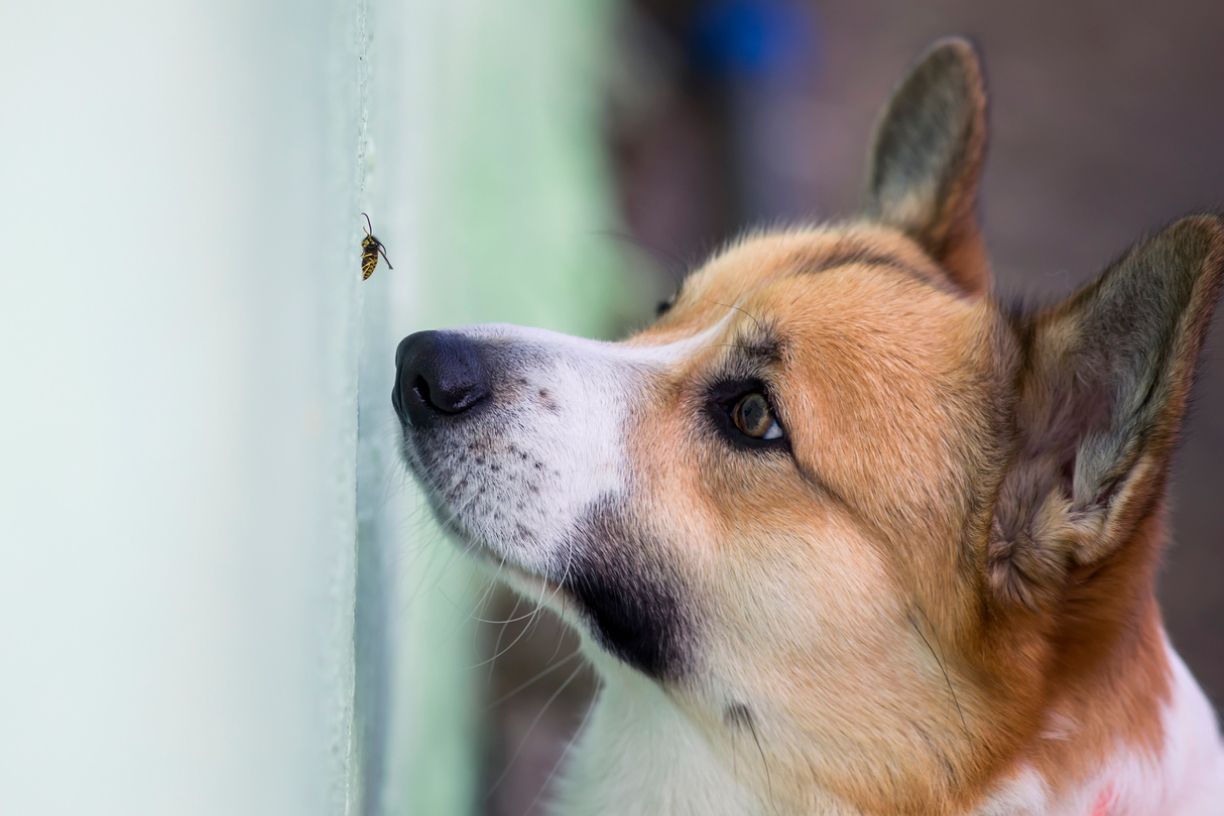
(542, 591)
(491, 557)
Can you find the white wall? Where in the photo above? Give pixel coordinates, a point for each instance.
(178, 358)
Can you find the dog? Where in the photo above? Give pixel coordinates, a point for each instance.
(841, 532)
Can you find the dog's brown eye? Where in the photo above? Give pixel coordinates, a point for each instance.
(753, 417)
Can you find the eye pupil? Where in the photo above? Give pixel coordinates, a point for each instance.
(752, 415)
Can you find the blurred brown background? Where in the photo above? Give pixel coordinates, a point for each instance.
(1107, 122)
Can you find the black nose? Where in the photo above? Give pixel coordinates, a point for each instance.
(438, 375)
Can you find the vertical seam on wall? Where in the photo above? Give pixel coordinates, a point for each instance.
(356, 311)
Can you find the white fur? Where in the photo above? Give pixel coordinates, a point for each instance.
(1191, 771)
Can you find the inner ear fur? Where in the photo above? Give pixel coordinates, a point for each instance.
(926, 161)
(1102, 392)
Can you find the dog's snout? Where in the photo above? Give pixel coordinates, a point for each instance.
(438, 375)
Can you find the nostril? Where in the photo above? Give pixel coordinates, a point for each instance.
(465, 399)
(454, 399)
(421, 388)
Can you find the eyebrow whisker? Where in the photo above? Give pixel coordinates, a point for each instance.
(742, 311)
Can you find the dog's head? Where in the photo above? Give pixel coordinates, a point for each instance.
(835, 493)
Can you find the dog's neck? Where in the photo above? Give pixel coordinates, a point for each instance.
(640, 753)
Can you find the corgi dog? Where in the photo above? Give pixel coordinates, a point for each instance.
(841, 532)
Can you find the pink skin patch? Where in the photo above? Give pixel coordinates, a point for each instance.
(1103, 802)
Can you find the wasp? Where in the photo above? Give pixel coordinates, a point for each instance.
(371, 248)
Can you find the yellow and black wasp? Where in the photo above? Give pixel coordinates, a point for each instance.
(371, 248)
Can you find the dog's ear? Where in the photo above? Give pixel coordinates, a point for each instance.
(927, 157)
(1102, 393)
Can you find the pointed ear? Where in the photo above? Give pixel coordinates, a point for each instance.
(1102, 395)
(927, 158)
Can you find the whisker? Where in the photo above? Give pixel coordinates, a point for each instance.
(742, 311)
(497, 649)
(586, 717)
(522, 632)
(942, 668)
(552, 667)
(530, 728)
(672, 264)
(765, 762)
